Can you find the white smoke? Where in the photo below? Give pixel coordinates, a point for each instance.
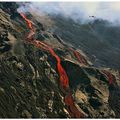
(76, 10)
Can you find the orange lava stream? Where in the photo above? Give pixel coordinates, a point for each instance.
(72, 109)
(80, 58)
(64, 80)
(29, 23)
(108, 75)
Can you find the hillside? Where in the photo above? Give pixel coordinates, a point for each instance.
(99, 39)
(42, 76)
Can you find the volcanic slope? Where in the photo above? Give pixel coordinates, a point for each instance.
(98, 38)
(30, 85)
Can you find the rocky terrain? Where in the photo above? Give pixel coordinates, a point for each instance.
(99, 39)
(42, 76)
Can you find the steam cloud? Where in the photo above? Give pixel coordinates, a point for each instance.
(76, 10)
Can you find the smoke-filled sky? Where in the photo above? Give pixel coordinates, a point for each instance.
(77, 10)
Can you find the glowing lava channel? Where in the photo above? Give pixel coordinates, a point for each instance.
(64, 80)
(29, 23)
(108, 75)
(79, 57)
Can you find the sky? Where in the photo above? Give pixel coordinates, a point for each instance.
(77, 10)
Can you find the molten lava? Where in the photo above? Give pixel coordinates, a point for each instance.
(29, 23)
(64, 80)
(80, 58)
(108, 75)
(73, 111)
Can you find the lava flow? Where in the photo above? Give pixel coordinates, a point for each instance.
(108, 75)
(29, 23)
(64, 80)
(80, 58)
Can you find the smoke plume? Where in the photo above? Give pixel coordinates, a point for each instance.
(80, 11)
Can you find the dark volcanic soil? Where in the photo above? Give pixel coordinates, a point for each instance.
(30, 81)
